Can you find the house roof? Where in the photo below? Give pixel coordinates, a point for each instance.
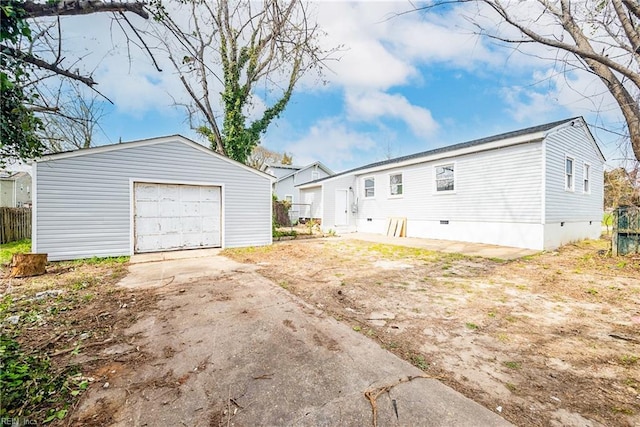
(509, 138)
(12, 176)
(319, 164)
(148, 141)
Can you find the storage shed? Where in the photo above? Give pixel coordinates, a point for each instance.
(535, 188)
(151, 195)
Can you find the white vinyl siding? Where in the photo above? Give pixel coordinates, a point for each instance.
(512, 193)
(329, 187)
(312, 198)
(84, 202)
(395, 185)
(566, 206)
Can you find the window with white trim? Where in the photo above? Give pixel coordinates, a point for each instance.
(586, 178)
(288, 198)
(314, 175)
(569, 175)
(445, 178)
(369, 187)
(395, 184)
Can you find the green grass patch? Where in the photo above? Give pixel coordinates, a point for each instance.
(101, 261)
(607, 219)
(512, 365)
(32, 387)
(9, 249)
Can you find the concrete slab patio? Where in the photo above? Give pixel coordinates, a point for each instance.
(225, 346)
(448, 246)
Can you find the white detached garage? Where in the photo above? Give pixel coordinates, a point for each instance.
(159, 194)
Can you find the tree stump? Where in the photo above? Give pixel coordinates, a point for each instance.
(27, 265)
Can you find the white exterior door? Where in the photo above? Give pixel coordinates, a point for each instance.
(171, 216)
(342, 207)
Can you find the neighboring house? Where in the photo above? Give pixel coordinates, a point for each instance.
(536, 188)
(145, 196)
(15, 189)
(288, 177)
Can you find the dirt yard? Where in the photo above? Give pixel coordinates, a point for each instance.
(552, 339)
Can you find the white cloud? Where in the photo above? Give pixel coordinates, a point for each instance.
(372, 106)
(331, 141)
(550, 90)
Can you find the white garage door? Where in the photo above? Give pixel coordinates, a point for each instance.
(170, 217)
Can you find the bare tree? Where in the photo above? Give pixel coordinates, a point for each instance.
(602, 35)
(261, 157)
(621, 187)
(72, 124)
(30, 53)
(235, 55)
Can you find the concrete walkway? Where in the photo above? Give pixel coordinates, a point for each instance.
(226, 346)
(449, 246)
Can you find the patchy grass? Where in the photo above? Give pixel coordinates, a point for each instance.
(53, 327)
(9, 249)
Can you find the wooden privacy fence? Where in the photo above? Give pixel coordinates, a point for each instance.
(626, 230)
(15, 224)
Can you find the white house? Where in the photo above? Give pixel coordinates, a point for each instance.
(151, 195)
(15, 189)
(288, 177)
(536, 188)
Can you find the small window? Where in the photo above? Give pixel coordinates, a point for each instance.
(369, 187)
(395, 184)
(314, 175)
(569, 175)
(288, 198)
(586, 176)
(445, 178)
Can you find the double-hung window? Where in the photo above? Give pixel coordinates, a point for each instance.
(569, 174)
(369, 187)
(445, 178)
(395, 184)
(586, 178)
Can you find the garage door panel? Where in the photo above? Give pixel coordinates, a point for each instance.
(170, 225)
(190, 209)
(146, 192)
(190, 194)
(147, 209)
(192, 225)
(210, 194)
(176, 217)
(148, 227)
(170, 241)
(169, 192)
(169, 208)
(211, 239)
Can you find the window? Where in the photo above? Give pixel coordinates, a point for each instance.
(288, 198)
(586, 175)
(369, 187)
(395, 184)
(569, 175)
(314, 175)
(445, 178)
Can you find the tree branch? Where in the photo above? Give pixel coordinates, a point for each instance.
(45, 65)
(77, 7)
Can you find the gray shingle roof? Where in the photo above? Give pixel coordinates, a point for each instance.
(531, 130)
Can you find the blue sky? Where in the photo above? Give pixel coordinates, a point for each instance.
(401, 85)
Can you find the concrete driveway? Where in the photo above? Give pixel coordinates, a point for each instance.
(225, 346)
